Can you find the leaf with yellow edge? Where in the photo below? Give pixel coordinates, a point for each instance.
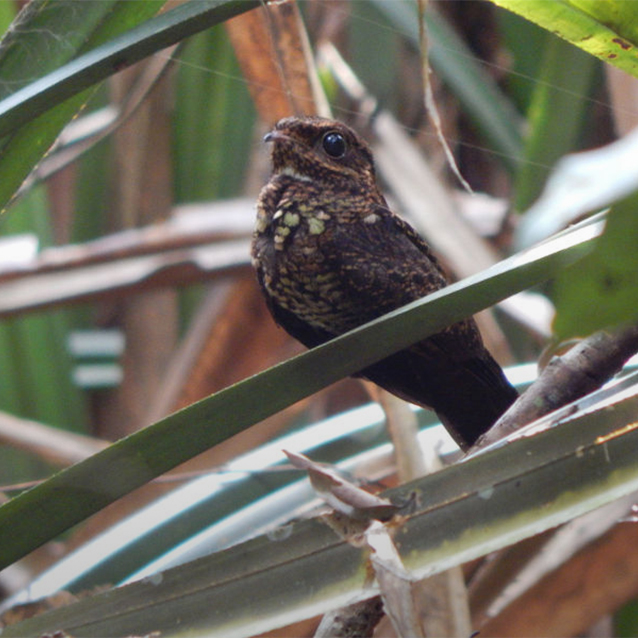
(607, 30)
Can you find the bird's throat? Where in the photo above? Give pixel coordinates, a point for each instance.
(289, 171)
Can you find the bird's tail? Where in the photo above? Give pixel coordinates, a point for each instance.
(468, 396)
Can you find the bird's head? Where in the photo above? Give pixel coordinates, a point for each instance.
(316, 149)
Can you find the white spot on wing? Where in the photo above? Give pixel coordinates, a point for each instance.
(372, 218)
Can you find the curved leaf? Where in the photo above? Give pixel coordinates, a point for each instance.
(41, 513)
(45, 36)
(55, 98)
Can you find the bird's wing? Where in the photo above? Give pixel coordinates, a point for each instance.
(382, 261)
(385, 265)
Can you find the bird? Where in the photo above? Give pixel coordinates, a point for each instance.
(330, 255)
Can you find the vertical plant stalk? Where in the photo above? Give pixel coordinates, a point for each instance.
(273, 50)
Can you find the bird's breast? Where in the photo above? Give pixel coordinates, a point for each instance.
(292, 252)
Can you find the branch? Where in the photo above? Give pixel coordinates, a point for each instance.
(583, 369)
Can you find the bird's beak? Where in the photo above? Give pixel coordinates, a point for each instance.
(275, 135)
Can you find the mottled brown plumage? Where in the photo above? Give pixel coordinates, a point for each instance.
(330, 256)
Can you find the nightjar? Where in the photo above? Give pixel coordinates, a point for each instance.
(330, 256)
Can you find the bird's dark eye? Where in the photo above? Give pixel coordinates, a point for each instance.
(334, 144)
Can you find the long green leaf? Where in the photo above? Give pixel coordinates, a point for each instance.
(38, 515)
(45, 36)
